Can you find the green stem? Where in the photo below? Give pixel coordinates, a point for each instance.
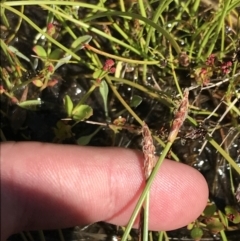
(123, 102)
(159, 95)
(224, 154)
(219, 25)
(223, 235)
(94, 30)
(174, 73)
(126, 60)
(164, 32)
(146, 217)
(16, 28)
(86, 95)
(145, 191)
(60, 3)
(142, 8)
(157, 14)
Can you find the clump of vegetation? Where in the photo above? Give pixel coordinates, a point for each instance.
(94, 73)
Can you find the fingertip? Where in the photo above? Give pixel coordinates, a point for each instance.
(180, 196)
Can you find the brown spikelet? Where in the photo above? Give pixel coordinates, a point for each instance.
(179, 117)
(148, 150)
(238, 193)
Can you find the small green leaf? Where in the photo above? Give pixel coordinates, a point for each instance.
(37, 82)
(84, 140)
(104, 93)
(136, 101)
(215, 226)
(30, 104)
(99, 74)
(62, 61)
(196, 233)
(68, 105)
(56, 54)
(63, 131)
(79, 42)
(35, 63)
(82, 112)
(190, 226)
(209, 210)
(232, 214)
(40, 51)
(19, 54)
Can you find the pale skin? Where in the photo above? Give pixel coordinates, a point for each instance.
(47, 186)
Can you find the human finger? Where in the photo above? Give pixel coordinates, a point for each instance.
(48, 186)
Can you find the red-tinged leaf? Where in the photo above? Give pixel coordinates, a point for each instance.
(2, 90)
(120, 121)
(52, 82)
(51, 29)
(37, 82)
(40, 51)
(14, 100)
(232, 214)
